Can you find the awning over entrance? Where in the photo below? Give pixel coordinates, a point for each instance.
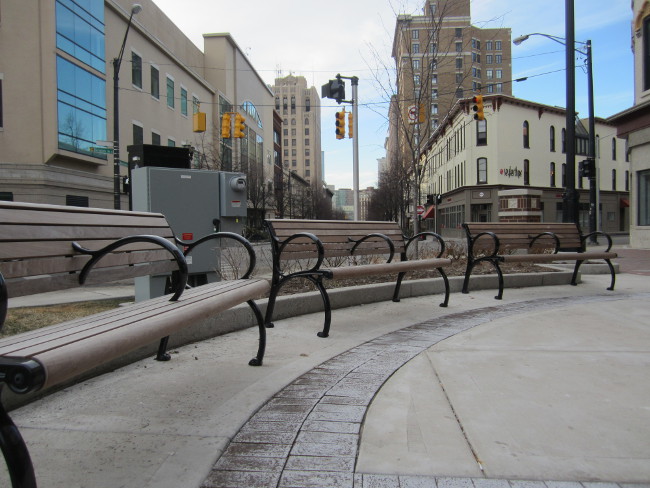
(430, 213)
(625, 203)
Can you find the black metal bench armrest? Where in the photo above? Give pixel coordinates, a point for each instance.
(252, 260)
(475, 238)
(584, 238)
(319, 247)
(437, 236)
(391, 246)
(543, 234)
(173, 250)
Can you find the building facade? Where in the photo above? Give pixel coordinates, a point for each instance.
(299, 107)
(520, 147)
(57, 98)
(634, 125)
(441, 58)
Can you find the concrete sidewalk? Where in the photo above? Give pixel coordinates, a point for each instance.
(550, 384)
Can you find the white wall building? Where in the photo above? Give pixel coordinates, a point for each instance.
(520, 144)
(634, 125)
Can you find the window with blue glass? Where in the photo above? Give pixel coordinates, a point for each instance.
(80, 31)
(81, 105)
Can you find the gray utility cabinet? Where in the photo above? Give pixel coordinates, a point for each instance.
(192, 201)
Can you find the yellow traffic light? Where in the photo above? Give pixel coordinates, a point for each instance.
(199, 122)
(225, 126)
(350, 125)
(340, 125)
(239, 126)
(478, 107)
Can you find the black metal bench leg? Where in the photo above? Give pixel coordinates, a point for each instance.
(327, 307)
(257, 360)
(574, 278)
(468, 272)
(446, 280)
(163, 355)
(398, 285)
(270, 307)
(500, 275)
(613, 273)
(14, 450)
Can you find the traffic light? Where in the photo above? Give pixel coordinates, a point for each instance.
(350, 125)
(239, 126)
(587, 168)
(340, 124)
(225, 126)
(478, 107)
(334, 89)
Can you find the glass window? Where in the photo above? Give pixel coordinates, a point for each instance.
(415, 48)
(526, 172)
(489, 58)
(155, 83)
(552, 138)
(481, 132)
(415, 34)
(459, 32)
(155, 139)
(498, 59)
(183, 101)
(488, 45)
(646, 53)
(170, 92)
(459, 47)
(644, 197)
(81, 106)
(481, 167)
(614, 179)
(136, 70)
(614, 148)
(497, 45)
(526, 135)
(138, 134)
(80, 31)
(459, 63)
(552, 171)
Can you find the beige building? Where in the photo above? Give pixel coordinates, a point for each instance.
(519, 146)
(299, 107)
(57, 98)
(634, 125)
(441, 57)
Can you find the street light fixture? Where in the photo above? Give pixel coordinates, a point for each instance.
(593, 189)
(117, 63)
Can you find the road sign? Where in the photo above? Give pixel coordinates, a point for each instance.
(420, 209)
(413, 114)
(102, 150)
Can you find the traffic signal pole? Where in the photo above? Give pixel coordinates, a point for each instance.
(355, 145)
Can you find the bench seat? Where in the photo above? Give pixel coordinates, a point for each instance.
(531, 242)
(312, 242)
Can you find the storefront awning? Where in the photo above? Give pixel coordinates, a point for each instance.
(625, 203)
(430, 213)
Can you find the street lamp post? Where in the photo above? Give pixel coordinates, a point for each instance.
(571, 210)
(117, 63)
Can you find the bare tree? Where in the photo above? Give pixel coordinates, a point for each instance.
(432, 71)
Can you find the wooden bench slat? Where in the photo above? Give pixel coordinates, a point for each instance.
(58, 216)
(68, 233)
(347, 272)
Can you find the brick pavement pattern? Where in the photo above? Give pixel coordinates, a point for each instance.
(307, 435)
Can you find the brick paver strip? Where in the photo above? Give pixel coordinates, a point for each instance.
(307, 435)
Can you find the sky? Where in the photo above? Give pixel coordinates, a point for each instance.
(318, 40)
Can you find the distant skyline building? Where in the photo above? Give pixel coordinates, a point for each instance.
(299, 106)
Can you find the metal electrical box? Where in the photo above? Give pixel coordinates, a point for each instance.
(233, 200)
(190, 200)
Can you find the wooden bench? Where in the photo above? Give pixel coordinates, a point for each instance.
(46, 247)
(518, 242)
(314, 241)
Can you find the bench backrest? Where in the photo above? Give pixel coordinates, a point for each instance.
(518, 235)
(334, 235)
(36, 253)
